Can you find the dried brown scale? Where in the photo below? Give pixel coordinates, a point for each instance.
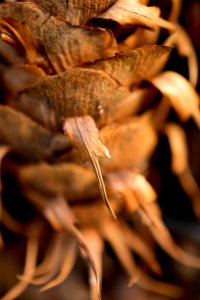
(75, 45)
(79, 92)
(79, 12)
(56, 98)
(130, 67)
(27, 138)
(73, 11)
(63, 44)
(28, 13)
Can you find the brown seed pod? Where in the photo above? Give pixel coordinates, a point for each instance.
(66, 89)
(57, 98)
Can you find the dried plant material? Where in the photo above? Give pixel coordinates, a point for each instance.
(141, 188)
(51, 261)
(180, 93)
(175, 10)
(71, 46)
(180, 164)
(133, 188)
(84, 135)
(182, 41)
(120, 230)
(56, 265)
(117, 185)
(64, 216)
(56, 98)
(110, 231)
(156, 286)
(27, 13)
(160, 114)
(30, 262)
(140, 37)
(95, 245)
(91, 215)
(66, 267)
(63, 44)
(191, 188)
(145, 195)
(164, 239)
(48, 181)
(6, 38)
(18, 78)
(177, 141)
(61, 71)
(8, 53)
(121, 11)
(134, 12)
(131, 67)
(74, 12)
(131, 104)
(27, 138)
(137, 134)
(140, 247)
(23, 35)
